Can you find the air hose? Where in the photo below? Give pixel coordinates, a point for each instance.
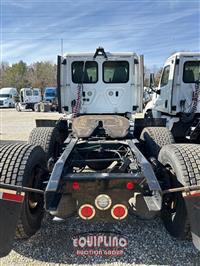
(76, 108)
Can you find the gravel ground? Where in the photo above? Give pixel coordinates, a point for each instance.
(17, 125)
(148, 243)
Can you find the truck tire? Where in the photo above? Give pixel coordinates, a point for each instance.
(182, 162)
(18, 107)
(49, 139)
(148, 114)
(155, 138)
(37, 107)
(23, 164)
(44, 107)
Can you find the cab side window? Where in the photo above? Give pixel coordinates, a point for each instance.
(165, 76)
(191, 72)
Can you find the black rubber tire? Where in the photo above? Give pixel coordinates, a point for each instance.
(37, 107)
(17, 107)
(155, 138)
(48, 138)
(19, 164)
(44, 107)
(148, 114)
(183, 161)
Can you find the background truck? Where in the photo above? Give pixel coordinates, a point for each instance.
(178, 95)
(7, 97)
(28, 97)
(50, 94)
(99, 162)
(50, 101)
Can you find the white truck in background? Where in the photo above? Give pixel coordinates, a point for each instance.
(177, 97)
(7, 97)
(28, 97)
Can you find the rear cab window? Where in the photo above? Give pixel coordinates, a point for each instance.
(191, 71)
(116, 72)
(165, 76)
(84, 72)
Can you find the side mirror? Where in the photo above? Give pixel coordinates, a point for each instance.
(157, 91)
(152, 80)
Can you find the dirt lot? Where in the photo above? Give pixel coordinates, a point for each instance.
(17, 125)
(148, 243)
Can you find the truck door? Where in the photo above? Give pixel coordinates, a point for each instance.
(164, 98)
(36, 96)
(28, 95)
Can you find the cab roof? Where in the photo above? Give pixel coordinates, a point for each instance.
(7, 90)
(185, 54)
(87, 54)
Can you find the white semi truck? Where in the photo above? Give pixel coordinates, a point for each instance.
(177, 98)
(7, 97)
(28, 97)
(99, 162)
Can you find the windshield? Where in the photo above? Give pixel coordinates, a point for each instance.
(191, 73)
(4, 95)
(89, 69)
(50, 94)
(115, 72)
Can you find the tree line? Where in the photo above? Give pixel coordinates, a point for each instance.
(41, 75)
(20, 75)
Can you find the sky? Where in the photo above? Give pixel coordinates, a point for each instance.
(31, 30)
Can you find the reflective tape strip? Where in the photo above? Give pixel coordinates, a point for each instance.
(11, 195)
(191, 194)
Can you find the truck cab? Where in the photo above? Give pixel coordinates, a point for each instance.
(50, 94)
(177, 97)
(176, 88)
(30, 95)
(108, 83)
(7, 97)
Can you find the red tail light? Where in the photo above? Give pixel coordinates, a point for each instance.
(130, 185)
(87, 211)
(12, 196)
(119, 211)
(75, 186)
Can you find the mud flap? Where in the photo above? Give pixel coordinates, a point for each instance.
(10, 208)
(192, 201)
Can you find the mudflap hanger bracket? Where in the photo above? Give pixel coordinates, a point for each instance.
(154, 201)
(52, 196)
